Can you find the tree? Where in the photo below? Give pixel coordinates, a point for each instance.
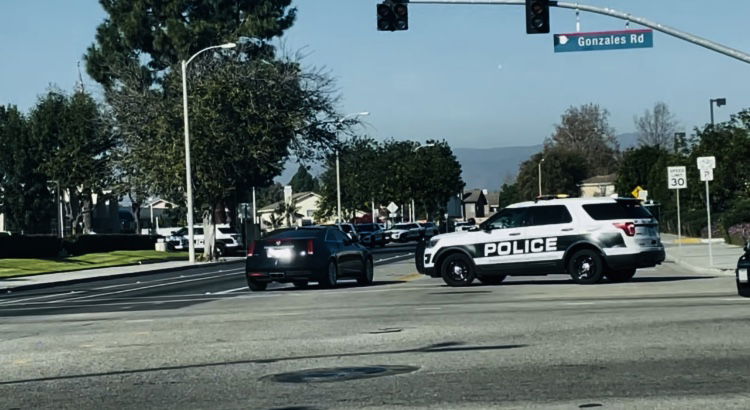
(562, 172)
(25, 197)
(269, 195)
(152, 36)
(302, 181)
(636, 168)
(509, 195)
(391, 171)
(585, 130)
(78, 142)
(657, 127)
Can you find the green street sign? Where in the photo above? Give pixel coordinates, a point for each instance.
(604, 40)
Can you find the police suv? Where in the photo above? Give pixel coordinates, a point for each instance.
(587, 238)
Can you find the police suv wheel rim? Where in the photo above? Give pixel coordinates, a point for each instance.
(584, 266)
(458, 271)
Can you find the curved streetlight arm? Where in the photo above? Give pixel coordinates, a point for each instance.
(225, 46)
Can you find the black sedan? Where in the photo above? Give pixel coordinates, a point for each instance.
(306, 254)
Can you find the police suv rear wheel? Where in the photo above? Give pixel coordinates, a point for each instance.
(457, 270)
(620, 275)
(492, 280)
(586, 267)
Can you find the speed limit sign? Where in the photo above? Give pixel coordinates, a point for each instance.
(676, 177)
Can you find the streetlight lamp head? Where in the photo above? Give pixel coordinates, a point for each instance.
(228, 45)
(721, 101)
(364, 113)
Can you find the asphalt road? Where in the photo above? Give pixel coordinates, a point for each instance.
(669, 339)
(161, 291)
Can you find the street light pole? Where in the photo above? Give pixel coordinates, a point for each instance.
(338, 175)
(188, 174)
(540, 177)
(719, 102)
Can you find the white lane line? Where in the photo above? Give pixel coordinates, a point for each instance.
(10, 302)
(163, 279)
(139, 288)
(130, 303)
(224, 292)
(394, 257)
(738, 299)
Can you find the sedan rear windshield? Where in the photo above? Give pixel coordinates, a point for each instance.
(617, 210)
(367, 228)
(296, 234)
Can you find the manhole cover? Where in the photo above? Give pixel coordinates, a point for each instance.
(337, 374)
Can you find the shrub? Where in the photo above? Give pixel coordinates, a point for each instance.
(29, 246)
(84, 244)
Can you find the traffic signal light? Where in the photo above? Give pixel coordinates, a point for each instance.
(393, 16)
(537, 16)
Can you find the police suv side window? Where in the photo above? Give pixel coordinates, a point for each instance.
(548, 215)
(509, 218)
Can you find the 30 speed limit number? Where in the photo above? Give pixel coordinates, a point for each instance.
(676, 177)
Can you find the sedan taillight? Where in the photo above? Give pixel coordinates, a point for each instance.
(627, 227)
(251, 249)
(310, 247)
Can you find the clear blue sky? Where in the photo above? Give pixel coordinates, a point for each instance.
(468, 74)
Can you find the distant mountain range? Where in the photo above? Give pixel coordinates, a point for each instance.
(485, 168)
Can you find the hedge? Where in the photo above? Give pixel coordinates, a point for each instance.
(47, 246)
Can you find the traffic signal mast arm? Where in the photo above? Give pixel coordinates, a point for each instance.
(711, 45)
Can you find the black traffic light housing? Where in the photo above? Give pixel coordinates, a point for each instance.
(537, 16)
(393, 15)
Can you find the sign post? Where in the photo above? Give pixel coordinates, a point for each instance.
(677, 180)
(706, 167)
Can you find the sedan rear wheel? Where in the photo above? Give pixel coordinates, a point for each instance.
(331, 276)
(367, 275)
(256, 286)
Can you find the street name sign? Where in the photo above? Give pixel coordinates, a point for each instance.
(706, 162)
(604, 40)
(677, 177)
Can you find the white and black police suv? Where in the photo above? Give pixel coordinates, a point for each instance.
(587, 238)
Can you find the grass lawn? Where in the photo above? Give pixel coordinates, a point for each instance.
(21, 267)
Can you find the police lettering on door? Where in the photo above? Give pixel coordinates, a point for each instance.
(537, 245)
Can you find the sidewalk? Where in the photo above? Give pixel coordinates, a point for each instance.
(88, 275)
(692, 254)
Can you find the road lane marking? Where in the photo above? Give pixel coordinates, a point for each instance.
(410, 277)
(140, 288)
(224, 292)
(10, 302)
(394, 257)
(164, 279)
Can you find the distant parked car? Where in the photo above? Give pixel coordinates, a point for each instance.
(227, 240)
(743, 270)
(430, 229)
(300, 255)
(403, 232)
(349, 229)
(371, 235)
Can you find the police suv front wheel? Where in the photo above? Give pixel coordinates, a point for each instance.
(457, 270)
(586, 267)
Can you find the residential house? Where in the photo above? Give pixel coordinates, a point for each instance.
(493, 203)
(475, 204)
(598, 186)
(307, 203)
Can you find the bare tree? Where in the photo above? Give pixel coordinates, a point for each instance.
(656, 127)
(585, 130)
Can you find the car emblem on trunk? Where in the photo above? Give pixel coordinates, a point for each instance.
(278, 243)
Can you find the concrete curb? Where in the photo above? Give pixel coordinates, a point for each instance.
(704, 270)
(34, 286)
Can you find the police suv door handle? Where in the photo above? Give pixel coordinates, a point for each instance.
(567, 229)
(514, 233)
